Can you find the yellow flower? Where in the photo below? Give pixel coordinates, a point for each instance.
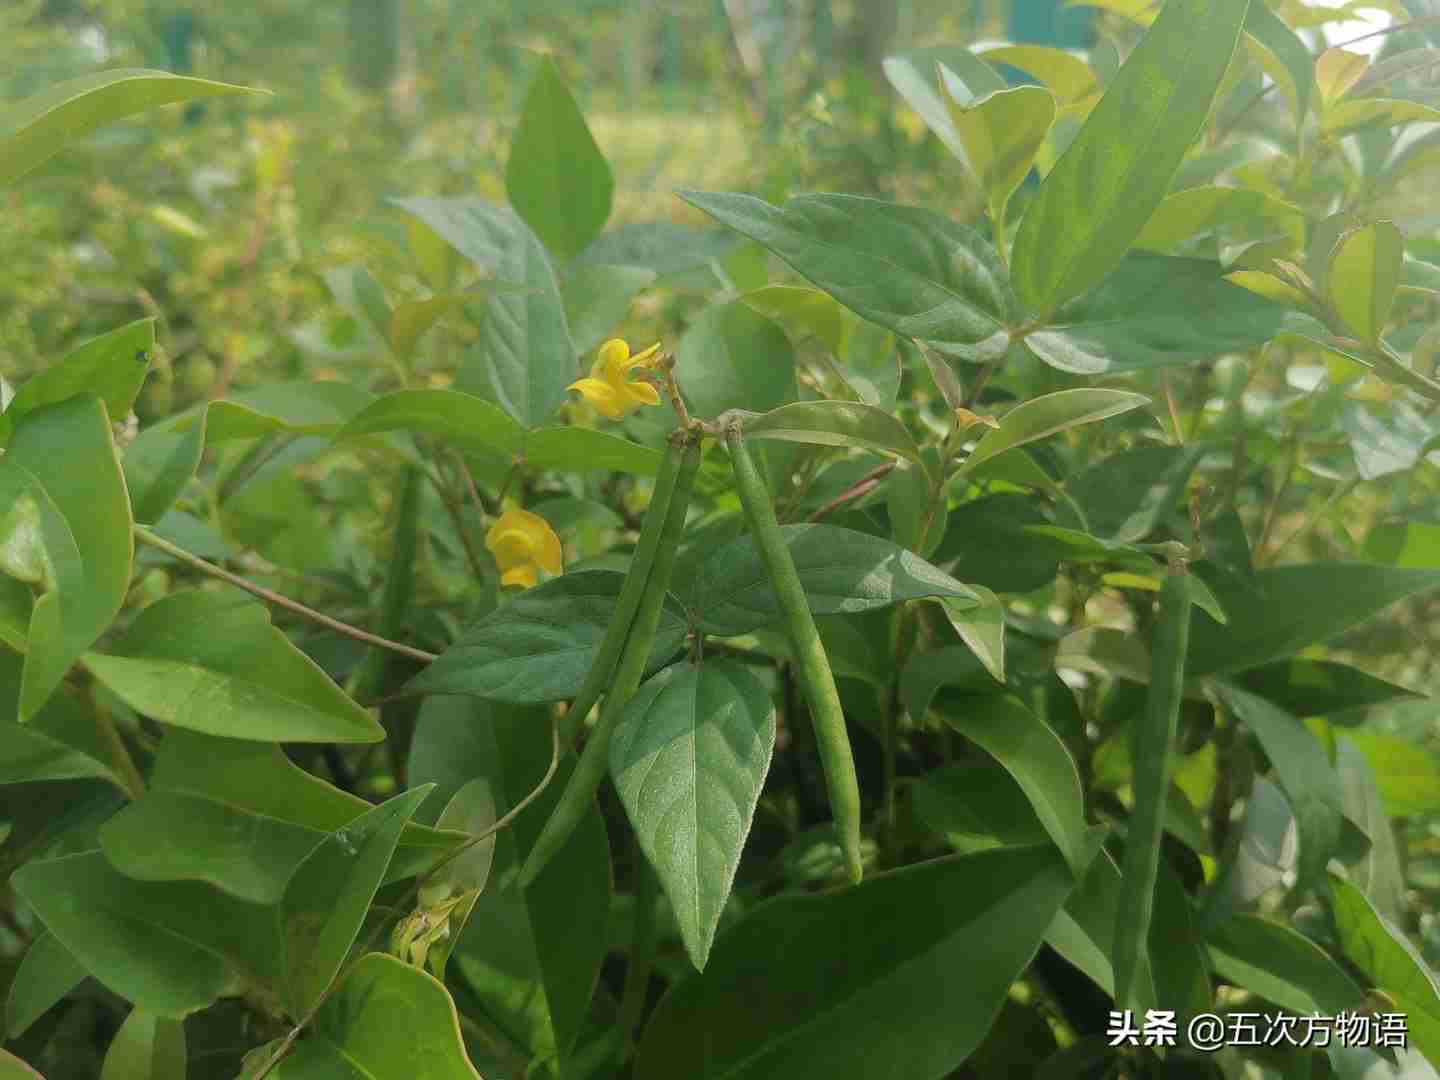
(608, 389)
(523, 544)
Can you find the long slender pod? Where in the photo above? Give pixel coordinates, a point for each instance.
(575, 800)
(810, 660)
(630, 593)
(1150, 751)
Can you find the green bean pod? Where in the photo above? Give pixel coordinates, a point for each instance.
(594, 761)
(635, 578)
(809, 656)
(1150, 746)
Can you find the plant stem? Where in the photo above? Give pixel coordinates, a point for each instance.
(119, 753)
(866, 484)
(642, 954)
(145, 536)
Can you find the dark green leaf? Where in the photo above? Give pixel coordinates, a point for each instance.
(1282, 966)
(1319, 687)
(732, 357)
(46, 975)
(147, 1047)
(976, 805)
(171, 947)
(1033, 754)
(326, 899)
(532, 957)
(540, 646)
(689, 757)
(1041, 417)
(597, 299)
(985, 544)
(861, 993)
(1126, 495)
(841, 571)
(1297, 606)
(159, 464)
(1268, 30)
(1304, 772)
(1155, 310)
(912, 270)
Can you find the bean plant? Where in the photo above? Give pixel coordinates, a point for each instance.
(941, 645)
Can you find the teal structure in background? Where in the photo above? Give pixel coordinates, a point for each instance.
(1050, 22)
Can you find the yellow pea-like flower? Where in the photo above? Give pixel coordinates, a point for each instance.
(609, 388)
(523, 544)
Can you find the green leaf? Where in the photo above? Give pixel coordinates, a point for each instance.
(300, 408)
(68, 447)
(1384, 954)
(1041, 417)
(257, 778)
(463, 419)
(575, 449)
(689, 757)
(15, 1069)
(1033, 754)
(1363, 274)
(177, 836)
(532, 958)
(597, 299)
(912, 270)
(171, 947)
(1083, 931)
(1395, 441)
(147, 1047)
(34, 130)
(111, 366)
(862, 993)
(1094, 202)
(815, 312)
(410, 319)
(525, 351)
(327, 898)
(917, 512)
(479, 230)
(985, 543)
(471, 810)
(250, 683)
(1303, 769)
(159, 464)
(982, 628)
(1406, 775)
(1296, 606)
(835, 423)
(29, 755)
(841, 571)
(1346, 116)
(1282, 966)
(46, 974)
(363, 298)
(1319, 687)
(1285, 56)
(1202, 211)
(1155, 310)
(732, 357)
(1263, 858)
(1067, 76)
(976, 805)
(1411, 544)
(539, 646)
(557, 178)
(1002, 132)
(912, 74)
(354, 1034)
(1126, 495)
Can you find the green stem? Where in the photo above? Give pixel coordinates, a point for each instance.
(595, 759)
(642, 954)
(618, 629)
(807, 651)
(145, 536)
